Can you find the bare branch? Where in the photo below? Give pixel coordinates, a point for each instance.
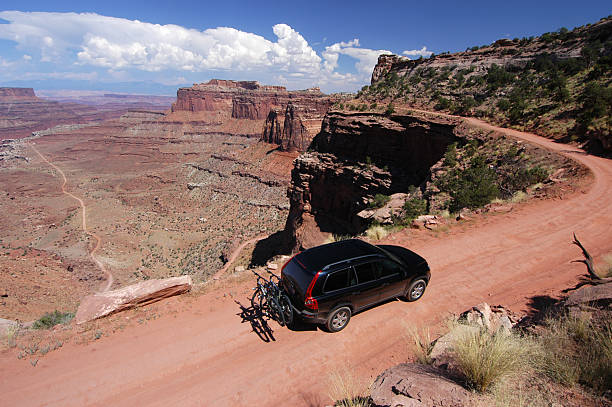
(588, 260)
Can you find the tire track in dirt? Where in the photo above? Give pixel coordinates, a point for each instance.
(92, 253)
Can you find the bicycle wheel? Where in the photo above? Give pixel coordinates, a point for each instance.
(287, 309)
(275, 311)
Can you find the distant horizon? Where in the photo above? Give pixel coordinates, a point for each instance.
(117, 47)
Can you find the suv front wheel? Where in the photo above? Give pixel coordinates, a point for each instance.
(338, 319)
(416, 289)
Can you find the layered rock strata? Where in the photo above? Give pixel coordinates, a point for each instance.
(244, 99)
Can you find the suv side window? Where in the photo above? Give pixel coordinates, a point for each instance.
(365, 272)
(339, 279)
(387, 268)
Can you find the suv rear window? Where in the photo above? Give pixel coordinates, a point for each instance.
(340, 279)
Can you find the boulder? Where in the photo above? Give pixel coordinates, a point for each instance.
(590, 294)
(493, 318)
(415, 385)
(101, 304)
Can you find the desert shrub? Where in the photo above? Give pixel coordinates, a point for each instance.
(337, 237)
(596, 102)
(50, 319)
(443, 103)
(376, 232)
(390, 109)
(523, 178)
(450, 156)
(484, 358)
(576, 350)
(422, 345)
(414, 207)
(471, 188)
(504, 105)
(604, 270)
(379, 201)
(497, 77)
(347, 390)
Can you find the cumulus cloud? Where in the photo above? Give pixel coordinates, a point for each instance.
(113, 44)
(423, 52)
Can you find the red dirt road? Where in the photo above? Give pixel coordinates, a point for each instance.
(205, 356)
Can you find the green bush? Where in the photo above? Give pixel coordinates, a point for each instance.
(414, 207)
(497, 76)
(471, 188)
(390, 109)
(50, 319)
(524, 177)
(379, 201)
(450, 156)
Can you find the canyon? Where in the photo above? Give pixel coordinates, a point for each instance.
(22, 112)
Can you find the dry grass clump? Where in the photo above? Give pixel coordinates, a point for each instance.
(421, 344)
(484, 358)
(347, 389)
(575, 350)
(604, 270)
(376, 233)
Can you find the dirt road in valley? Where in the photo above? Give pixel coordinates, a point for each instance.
(108, 275)
(205, 356)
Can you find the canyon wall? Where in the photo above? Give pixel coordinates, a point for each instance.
(288, 118)
(353, 158)
(10, 93)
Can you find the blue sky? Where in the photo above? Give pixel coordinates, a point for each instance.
(155, 47)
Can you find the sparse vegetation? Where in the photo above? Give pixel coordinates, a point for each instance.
(421, 344)
(484, 358)
(414, 207)
(379, 201)
(50, 319)
(347, 390)
(376, 232)
(576, 350)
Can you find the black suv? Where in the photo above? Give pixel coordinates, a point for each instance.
(329, 283)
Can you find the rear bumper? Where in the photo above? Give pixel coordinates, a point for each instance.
(309, 316)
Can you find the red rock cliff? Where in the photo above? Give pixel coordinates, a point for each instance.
(9, 93)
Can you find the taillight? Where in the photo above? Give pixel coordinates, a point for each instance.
(310, 302)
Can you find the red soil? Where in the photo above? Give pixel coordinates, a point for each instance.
(206, 356)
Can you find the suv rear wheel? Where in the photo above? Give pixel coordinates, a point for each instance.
(338, 319)
(416, 289)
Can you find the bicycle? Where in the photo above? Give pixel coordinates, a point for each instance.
(272, 301)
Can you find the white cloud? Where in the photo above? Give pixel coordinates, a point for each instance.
(418, 52)
(113, 45)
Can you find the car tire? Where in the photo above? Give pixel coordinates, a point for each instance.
(338, 319)
(416, 289)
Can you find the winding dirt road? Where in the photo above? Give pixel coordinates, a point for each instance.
(108, 275)
(206, 356)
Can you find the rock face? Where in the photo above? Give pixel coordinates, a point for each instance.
(101, 304)
(295, 130)
(244, 99)
(16, 93)
(412, 385)
(590, 294)
(355, 157)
